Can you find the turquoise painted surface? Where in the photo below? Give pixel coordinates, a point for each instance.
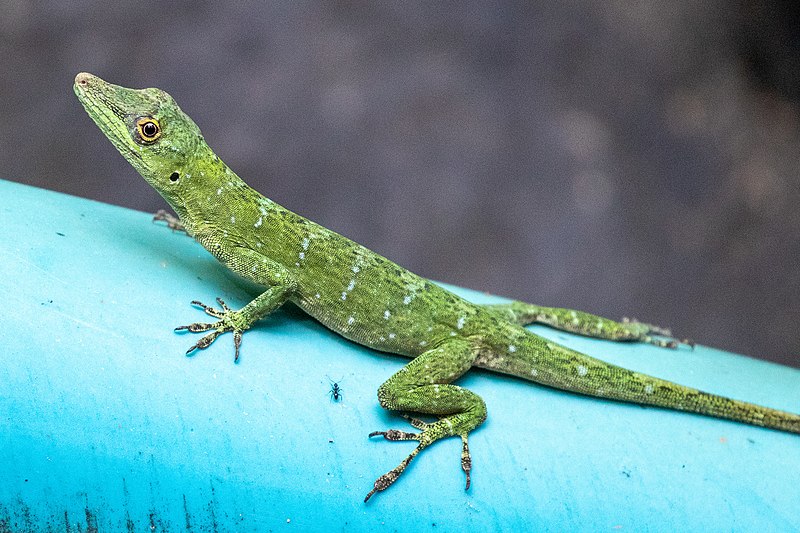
(105, 425)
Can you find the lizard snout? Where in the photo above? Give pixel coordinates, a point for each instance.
(84, 78)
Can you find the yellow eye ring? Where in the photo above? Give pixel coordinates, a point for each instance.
(148, 129)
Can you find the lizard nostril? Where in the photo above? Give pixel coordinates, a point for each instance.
(83, 78)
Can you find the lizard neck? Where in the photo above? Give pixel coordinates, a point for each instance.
(212, 195)
(223, 213)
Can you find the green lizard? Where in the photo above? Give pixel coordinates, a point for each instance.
(369, 299)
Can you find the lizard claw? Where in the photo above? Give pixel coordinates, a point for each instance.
(466, 459)
(386, 480)
(223, 305)
(210, 310)
(198, 327)
(204, 342)
(395, 434)
(416, 422)
(237, 341)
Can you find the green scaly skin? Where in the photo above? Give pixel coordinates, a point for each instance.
(369, 299)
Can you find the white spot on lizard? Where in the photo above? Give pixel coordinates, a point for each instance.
(351, 319)
(460, 323)
(648, 389)
(258, 222)
(582, 370)
(407, 300)
(512, 348)
(344, 296)
(386, 315)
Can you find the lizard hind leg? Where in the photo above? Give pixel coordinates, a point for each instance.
(423, 386)
(586, 324)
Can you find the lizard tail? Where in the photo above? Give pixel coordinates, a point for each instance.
(550, 364)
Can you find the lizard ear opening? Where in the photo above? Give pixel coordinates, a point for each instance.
(174, 177)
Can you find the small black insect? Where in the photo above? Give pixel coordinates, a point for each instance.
(336, 391)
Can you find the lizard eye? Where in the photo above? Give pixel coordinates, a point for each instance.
(147, 129)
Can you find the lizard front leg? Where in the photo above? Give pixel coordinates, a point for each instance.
(587, 324)
(423, 386)
(261, 270)
(174, 223)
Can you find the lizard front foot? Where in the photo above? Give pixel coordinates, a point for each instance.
(173, 222)
(229, 320)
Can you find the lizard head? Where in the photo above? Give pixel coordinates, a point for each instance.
(149, 129)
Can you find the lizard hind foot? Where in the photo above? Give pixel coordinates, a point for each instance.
(668, 343)
(642, 331)
(387, 479)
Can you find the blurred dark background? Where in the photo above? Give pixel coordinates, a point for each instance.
(625, 158)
